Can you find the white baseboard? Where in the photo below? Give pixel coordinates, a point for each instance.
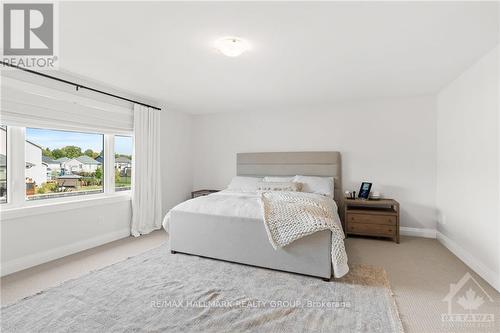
(16, 265)
(417, 232)
(471, 261)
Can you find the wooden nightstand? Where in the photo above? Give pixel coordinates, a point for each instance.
(372, 218)
(201, 193)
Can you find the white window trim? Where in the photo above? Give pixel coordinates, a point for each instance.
(18, 206)
(16, 165)
(109, 164)
(48, 206)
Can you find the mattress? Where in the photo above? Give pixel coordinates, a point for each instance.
(224, 203)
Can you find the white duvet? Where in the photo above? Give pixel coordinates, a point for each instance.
(224, 203)
(230, 203)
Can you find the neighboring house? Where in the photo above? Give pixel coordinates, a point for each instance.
(81, 164)
(62, 162)
(53, 166)
(122, 162)
(36, 170)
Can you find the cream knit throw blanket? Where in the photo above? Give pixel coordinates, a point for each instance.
(289, 216)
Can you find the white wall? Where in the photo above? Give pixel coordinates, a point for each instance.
(44, 234)
(468, 167)
(176, 161)
(389, 142)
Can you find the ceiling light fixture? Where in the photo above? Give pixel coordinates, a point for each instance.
(231, 46)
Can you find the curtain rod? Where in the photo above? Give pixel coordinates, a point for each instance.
(77, 85)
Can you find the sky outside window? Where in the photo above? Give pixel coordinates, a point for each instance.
(58, 139)
(123, 145)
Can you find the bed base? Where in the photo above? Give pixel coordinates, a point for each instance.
(233, 262)
(245, 241)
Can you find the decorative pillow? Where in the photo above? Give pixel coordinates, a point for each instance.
(278, 179)
(244, 184)
(279, 186)
(318, 185)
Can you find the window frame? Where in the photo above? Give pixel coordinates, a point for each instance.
(6, 165)
(16, 188)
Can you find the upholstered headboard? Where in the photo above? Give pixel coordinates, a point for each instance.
(314, 163)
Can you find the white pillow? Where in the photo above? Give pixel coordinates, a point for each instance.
(318, 185)
(278, 179)
(244, 184)
(279, 186)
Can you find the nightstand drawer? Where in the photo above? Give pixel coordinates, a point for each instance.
(371, 229)
(371, 218)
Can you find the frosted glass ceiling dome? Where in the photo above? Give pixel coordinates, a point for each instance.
(231, 46)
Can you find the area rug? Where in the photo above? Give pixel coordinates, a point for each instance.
(161, 292)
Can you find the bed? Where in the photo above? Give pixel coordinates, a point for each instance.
(229, 225)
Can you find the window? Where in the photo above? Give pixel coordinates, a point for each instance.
(3, 164)
(62, 163)
(123, 162)
(49, 164)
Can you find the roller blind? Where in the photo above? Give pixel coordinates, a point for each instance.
(29, 104)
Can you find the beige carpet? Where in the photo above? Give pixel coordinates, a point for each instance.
(157, 292)
(420, 271)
